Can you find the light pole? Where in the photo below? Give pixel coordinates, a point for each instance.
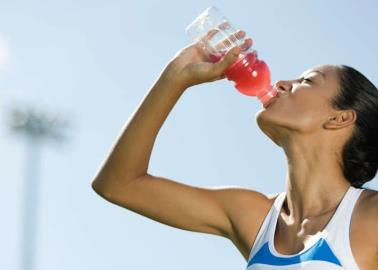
(36, 128)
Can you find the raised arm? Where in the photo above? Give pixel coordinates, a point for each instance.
(123, 178)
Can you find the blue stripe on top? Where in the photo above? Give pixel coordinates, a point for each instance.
(320, 251)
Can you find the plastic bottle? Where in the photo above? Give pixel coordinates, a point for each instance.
(250, 74)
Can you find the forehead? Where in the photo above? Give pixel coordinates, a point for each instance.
(330, 81)
(330, 72)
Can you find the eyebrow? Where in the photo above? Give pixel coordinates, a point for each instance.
(320, 72)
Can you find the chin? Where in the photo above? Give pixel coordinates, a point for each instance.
(268, 126)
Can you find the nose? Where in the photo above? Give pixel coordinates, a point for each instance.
(283, 85)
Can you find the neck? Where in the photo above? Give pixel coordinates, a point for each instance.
(314, 182)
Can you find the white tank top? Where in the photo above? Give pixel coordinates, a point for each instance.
(327, 250)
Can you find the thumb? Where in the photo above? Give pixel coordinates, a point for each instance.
(230, 57)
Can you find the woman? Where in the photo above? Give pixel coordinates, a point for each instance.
(326, 123)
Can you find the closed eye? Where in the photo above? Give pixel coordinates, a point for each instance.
(305, 79)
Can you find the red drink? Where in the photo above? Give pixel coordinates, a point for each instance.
(251, 76)
(215, 32)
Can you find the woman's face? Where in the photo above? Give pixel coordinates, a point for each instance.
(303, 105)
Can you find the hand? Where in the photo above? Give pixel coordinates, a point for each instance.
(191, 65)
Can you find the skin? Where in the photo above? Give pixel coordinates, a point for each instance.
(312, 135)
(301, 122)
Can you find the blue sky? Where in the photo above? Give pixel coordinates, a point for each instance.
(93, 61)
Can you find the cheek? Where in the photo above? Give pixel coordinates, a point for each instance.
(297, 112)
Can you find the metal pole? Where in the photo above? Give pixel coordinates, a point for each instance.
(37, 128)
(30, 204)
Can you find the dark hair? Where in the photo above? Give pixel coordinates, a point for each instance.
(360, 152)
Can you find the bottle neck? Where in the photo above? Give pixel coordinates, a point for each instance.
(267, 94)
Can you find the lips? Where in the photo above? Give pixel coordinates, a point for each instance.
(266, 105)
(270, 101)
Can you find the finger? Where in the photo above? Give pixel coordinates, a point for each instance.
(230, 57)
(230, 40)
(224, 26)
(212, 32)
(222, 76)
(248, 42)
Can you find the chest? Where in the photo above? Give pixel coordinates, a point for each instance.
(288, 241)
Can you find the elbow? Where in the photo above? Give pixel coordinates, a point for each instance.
(96, 186)
(101, 189)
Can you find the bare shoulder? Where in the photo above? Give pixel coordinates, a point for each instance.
(253, 206)
(368, 206)
(367, 218)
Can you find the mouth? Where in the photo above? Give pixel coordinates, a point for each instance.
(273, 99)
(267, 104)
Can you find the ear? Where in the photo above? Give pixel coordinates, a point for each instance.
(340, 119)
